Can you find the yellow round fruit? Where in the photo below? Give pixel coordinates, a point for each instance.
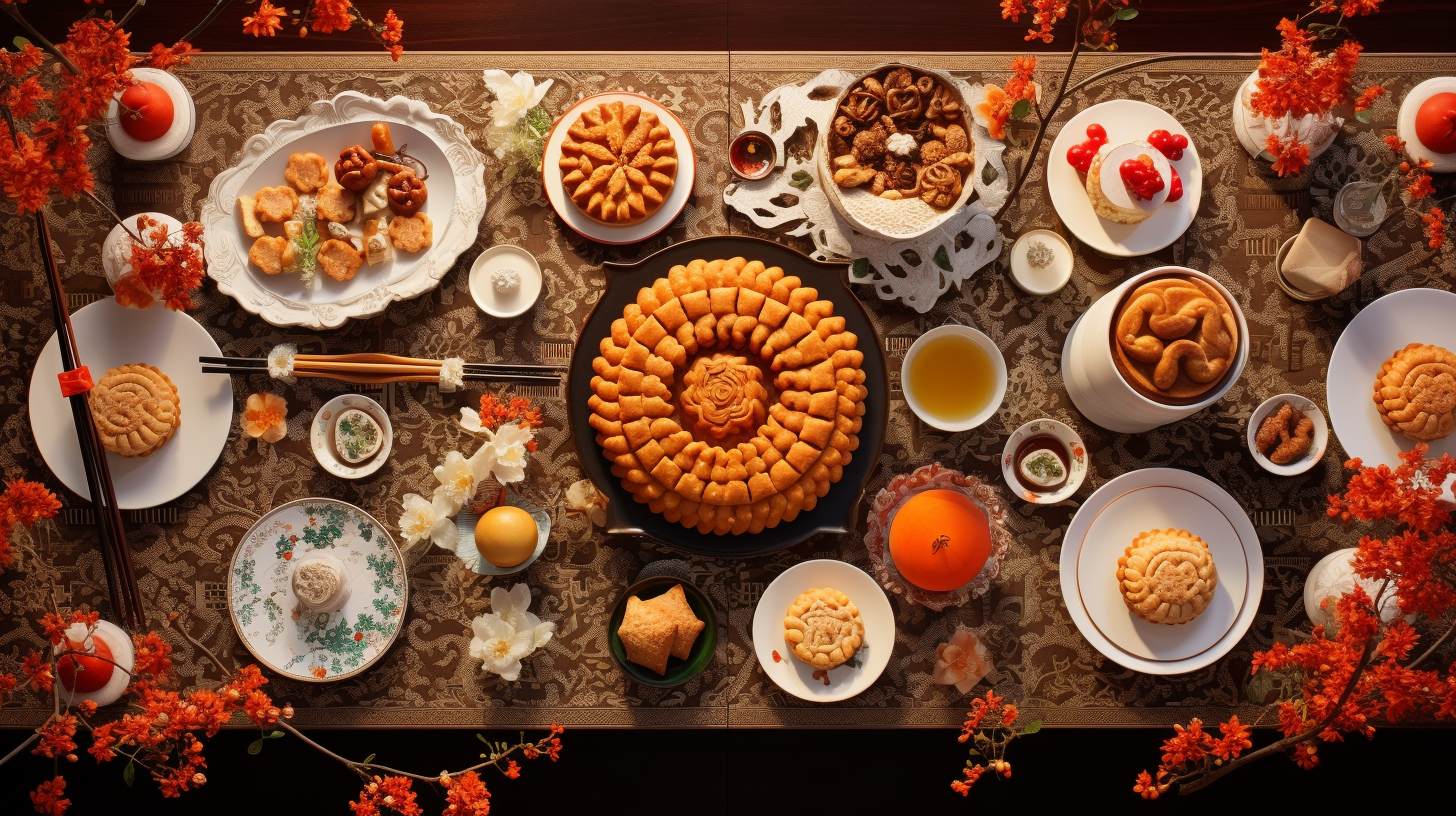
(506, 536)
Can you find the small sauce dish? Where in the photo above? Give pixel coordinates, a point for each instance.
(1033, 456)
(752, 155)
(505, 281)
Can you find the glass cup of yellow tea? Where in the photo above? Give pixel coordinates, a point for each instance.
(953, 377)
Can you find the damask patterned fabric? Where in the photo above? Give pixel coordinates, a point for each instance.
(427, 679)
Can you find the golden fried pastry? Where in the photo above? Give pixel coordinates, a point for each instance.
(823, 627)
(307, 172)
(648, 634)
(1175, 338)
(272, 254)
(1285, 435)
(355, 168)
(725, 457)
(412, 233)
(276, 204)
(1167, 576)
(136, 409)
(339, 260)
(1416, 392)
(247, 208)
(618, 163)
(406, 192)
(674, 605)
(335, 204)
(381, 137)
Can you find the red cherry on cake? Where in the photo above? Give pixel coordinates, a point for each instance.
(85, 674)
(145, 111)
(1175, 187)
(1169, 144)
(1436, 123)
(1080, 155)
(1141, 178)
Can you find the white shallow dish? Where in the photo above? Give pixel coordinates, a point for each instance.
(169, 144)
(1148, 499)
(1378, 332)
(455, 205)
(107, 336)
(1057, 273)
(1125, 120)
(677, 199)
(794, 675)
(1076, 460)
(514, 304)
(1321, 434)
(1405, 123)
(321, 436)
(470, 556)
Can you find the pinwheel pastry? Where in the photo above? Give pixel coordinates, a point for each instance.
(1175, 338)
(1167, 576)
(618, 163)
(136, 409)
(729, 397)
(823, 627)
(1416, 392)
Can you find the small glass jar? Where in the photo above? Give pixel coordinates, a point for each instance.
(1360, 207)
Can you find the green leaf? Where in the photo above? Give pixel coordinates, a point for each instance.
(1365, 115)
(1032, 728)
(128, 774)
(1021, 108)
(989, 174)
(942, 259)
(1125, 14)
(256, 746)
(801, 180)
(20, 44)
(275, 735)
(369, 759)
(860, 268)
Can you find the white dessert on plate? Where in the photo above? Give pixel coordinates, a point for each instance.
(1112, 198)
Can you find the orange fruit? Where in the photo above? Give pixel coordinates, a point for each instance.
(940, 540)
(84, 674)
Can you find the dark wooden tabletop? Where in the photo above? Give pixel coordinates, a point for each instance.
(757, 25)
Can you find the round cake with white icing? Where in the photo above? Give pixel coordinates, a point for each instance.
(1111, 197)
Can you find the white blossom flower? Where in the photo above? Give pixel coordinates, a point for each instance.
(508, 633)
(470, 421)
(280, 362)
(458, 479)
(428, 521)
(514, 96)
(900, 144)
(507, 453)
(583, 497)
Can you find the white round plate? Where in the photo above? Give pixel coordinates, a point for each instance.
(516, 303)
(794, 675)
(1378, 332)
(321, 436)
(1321, 434)
(308, 646)
(456, 203)
(1148, 499)
(1405, 123)
(108, 336)
(1077, 460)
(1125, 120)
(682, 187)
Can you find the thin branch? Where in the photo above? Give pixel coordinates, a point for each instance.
(39, 38)
(1441, 641)
(206, 21)
(197, 643)
(129, 12)
(361, 767)
(21, 747)
(117, 218)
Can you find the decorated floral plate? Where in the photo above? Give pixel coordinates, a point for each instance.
(794, 675)
(1125, 120)
(1153, 499)
(109, 336)
(601, 232)
(1070, 451)
(337, 436)
(299, 641)
(455, 204)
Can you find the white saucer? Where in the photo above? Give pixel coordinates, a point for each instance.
(1321, 434)
(321, 435)
(1405, 123)
(794, 675)
(1056, 274)
(1148, 499)
(177, 137)
(1125, 120)
(1076, 455)
(514, 304)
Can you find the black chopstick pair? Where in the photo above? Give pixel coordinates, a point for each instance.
(511, 368)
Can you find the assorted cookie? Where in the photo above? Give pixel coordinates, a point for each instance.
(823, 627)
(1167, 576)
(618, 163)
(136, 409)
(1416, 392)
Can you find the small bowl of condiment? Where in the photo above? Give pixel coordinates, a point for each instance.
(351, 436)
(505, 281)
(1303, 440)
(752, 155)
(1041, 262)
(1044, 461)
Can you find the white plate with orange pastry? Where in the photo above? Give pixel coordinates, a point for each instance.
(356, 204)
(1125, 178)
(618, 167)
(1399, 354)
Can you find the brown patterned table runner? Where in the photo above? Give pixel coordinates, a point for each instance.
(182, 550)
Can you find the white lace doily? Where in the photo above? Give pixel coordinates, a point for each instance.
(915, 272)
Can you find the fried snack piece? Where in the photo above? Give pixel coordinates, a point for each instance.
(647, 634)
(382, 139)
(339, 260)
(272, 254)
(406, 192)
(1416, 392)
(136, 408)
(1175, 338)
(335, 204)
(674, 604)
(413, 233)
(823, 627)
(247, 208)
(307, 172)
(1167, 576)
(276, 204)
(355, 168)
(1285, 435)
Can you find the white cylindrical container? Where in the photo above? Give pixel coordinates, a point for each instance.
(1100, 391)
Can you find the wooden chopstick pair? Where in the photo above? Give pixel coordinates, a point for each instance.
(374, 368)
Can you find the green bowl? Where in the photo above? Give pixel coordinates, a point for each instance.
(678, 671)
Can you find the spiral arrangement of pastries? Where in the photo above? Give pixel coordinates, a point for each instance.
(618, 163)
(1416, 392)
(1175, 338)
(701, 431)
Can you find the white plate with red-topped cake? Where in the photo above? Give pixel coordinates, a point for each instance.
(1124, 177)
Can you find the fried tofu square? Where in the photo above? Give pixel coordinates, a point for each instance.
(674, 604)
(272, 254)
(412, 233)
(276, 204)
(647, 635)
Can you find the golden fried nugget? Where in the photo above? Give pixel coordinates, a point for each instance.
(247, 208)
(647, 635)
(307, 171)
(276, 204)
(339, 260)
(336, 204)
(271, 254)
(412, 233)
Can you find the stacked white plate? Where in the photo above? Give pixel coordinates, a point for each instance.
(1099, 390)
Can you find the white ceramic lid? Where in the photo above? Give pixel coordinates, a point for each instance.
(1405, 123)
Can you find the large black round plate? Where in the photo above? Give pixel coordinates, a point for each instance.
(833, 513)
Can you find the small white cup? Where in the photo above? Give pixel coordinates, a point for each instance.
(997, 362)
